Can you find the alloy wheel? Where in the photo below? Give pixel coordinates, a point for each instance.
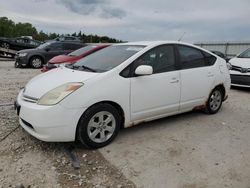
(215, 100)
(101, 127)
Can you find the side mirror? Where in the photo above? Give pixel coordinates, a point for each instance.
(143, 70)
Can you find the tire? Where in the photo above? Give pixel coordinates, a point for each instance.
(91, 123)
(36, 62)
(5, 45)
(214, 101)
(17, 65)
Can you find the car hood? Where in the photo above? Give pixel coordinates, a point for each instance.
(240, 62)
(62, 59)
(45, 82)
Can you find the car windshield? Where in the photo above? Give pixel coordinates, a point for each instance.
(42, 46)
(108, 58)
(81, 51)
(245, 54)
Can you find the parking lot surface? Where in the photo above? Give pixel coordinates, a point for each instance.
(192, 150)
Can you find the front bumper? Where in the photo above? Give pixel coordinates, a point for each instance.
(242, 80)
(24, 61)
(48, 123)
(48, 67)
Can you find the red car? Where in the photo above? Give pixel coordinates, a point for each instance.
(72, 57)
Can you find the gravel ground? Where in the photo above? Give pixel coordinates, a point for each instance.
(26, 161)
(191, 150)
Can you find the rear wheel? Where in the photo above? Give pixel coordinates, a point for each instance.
(5, 45)
(214, 101)
(98, 126)
(36, 62)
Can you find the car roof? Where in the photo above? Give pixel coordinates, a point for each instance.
(152, 43)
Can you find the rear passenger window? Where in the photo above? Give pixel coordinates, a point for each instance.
(69, 46)
(56, 46)
(191, 57)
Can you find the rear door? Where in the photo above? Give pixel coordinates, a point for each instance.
(197, 76)
(53, 50)
(70, 47)
(157, 94)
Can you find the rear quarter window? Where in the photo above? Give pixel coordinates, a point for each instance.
(191, 57)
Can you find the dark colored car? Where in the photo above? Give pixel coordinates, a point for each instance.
(72, 57)
(19, 43)
(40, 55)
(220, 54)
(66, 38)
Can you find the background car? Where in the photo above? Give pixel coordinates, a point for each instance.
(220, 54)
(19, 43)
(72, 57)
(66, 38)
(240, 69)
(40, 55)
(121, 86)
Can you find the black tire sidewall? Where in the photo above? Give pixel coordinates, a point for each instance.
(82, 134)
(17, 65)
(6, 44)
(208, 109)
(31, 62)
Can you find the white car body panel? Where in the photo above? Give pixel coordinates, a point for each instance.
(149, 98)
(141, 98)
(47, 81)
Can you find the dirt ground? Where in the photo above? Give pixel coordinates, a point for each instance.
(28, 162)
(191, 150)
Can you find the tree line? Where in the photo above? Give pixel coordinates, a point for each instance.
(10, 29)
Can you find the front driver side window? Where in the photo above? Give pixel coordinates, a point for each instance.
(162, 59)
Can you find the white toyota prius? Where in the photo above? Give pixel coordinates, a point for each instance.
(121, 86)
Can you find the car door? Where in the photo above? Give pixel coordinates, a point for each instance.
(19, 44)
(69, 47)
(158, 94)
(197, 76)
(53, 50)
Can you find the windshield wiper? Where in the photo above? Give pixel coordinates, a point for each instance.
(88, 68)
(83, 67)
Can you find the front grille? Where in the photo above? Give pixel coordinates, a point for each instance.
(240, 79)
(27, 124)
(240, 69)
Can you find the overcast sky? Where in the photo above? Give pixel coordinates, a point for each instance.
(134, 20)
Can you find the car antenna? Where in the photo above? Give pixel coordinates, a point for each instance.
(181, 36)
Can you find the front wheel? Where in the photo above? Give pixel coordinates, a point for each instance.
(214, 101)
(36, 62)
(17, 65)
(99, 125)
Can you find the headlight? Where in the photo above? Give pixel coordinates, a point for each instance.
(229, 66)
(56, 95)
(22, 54)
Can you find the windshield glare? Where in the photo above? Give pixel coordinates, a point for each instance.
(110, 57)
(81, 51)
(245, 54)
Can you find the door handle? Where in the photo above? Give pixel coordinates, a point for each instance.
(174, 80)
(210, 74)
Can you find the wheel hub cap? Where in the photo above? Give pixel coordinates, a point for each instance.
(101, 127)
(215, 100)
